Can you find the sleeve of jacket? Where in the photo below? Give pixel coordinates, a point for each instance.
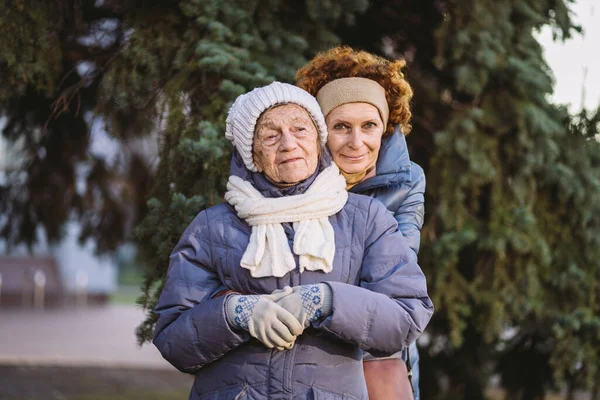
(192, 329)
(411, 212)
(391, 307)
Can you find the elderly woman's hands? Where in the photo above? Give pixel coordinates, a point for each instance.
(306, 302)
(264, 319)
(277, 319)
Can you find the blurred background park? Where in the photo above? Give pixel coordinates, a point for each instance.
(112, 118)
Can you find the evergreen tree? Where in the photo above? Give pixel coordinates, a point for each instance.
(211, 52)
(511, 241)
(52, 59)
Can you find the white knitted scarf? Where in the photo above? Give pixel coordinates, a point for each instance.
(268, 252)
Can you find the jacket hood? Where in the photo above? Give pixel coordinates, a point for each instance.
(266, 187)
(393, 164)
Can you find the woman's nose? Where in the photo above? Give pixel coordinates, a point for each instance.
(355, 139)
(288, 141)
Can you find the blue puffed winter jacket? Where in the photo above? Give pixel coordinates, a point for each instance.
(400, 185)
(379, 304)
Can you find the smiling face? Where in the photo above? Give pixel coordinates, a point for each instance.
(285, 146)
(355, 131)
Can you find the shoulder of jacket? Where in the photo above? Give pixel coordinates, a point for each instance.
(358, 203)
(365, 203)
(416, 172)
(220, 210)
(400, 188)
(359, 200)
(208, 217)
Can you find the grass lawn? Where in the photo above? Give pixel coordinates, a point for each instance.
(125, 294)
(87, 383)
(95, 383)
(139, 394)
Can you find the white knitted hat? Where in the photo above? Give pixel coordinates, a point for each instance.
(247, 108)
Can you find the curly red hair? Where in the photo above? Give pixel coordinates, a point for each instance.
(344, 62)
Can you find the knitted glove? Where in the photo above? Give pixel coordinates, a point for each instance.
(264, 319)
(307, 303)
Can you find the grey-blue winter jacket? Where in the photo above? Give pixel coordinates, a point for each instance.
(379, 304)
(400, 185)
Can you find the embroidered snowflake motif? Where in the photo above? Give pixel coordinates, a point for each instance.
(243, 310)
(311, 301)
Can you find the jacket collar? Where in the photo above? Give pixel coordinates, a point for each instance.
(393, 164)
(266, 187)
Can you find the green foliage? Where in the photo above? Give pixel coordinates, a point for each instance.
(216, 51)
(45, 110)
(527, 183)
(511, 241)
(511, 236)
(28, 50)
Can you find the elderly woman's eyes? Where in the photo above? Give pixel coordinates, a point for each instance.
(270, 138)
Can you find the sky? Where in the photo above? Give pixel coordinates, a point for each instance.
(576, 62)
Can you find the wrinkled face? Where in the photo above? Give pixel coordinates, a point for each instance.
(355, 131)
(285, 146)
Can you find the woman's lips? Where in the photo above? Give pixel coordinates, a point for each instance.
(291, 160)
(354, 158)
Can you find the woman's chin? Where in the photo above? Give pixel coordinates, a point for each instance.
(293, 173)
(291, 178)
(352, 168)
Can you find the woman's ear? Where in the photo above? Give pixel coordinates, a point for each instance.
(257, 164)
(255, 158)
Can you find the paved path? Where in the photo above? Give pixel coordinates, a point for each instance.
(96, 336)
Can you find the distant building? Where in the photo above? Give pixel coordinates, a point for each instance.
(30, 282)
(60, 275)
(67, 270)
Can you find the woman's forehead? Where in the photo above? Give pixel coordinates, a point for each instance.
(285, 113)
(359, 110)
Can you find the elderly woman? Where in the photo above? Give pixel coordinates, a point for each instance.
(365, 99)
(314, 275)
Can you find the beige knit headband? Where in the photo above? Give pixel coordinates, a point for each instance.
(353, 90)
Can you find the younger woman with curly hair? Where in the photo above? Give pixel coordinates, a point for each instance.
(366, 101)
